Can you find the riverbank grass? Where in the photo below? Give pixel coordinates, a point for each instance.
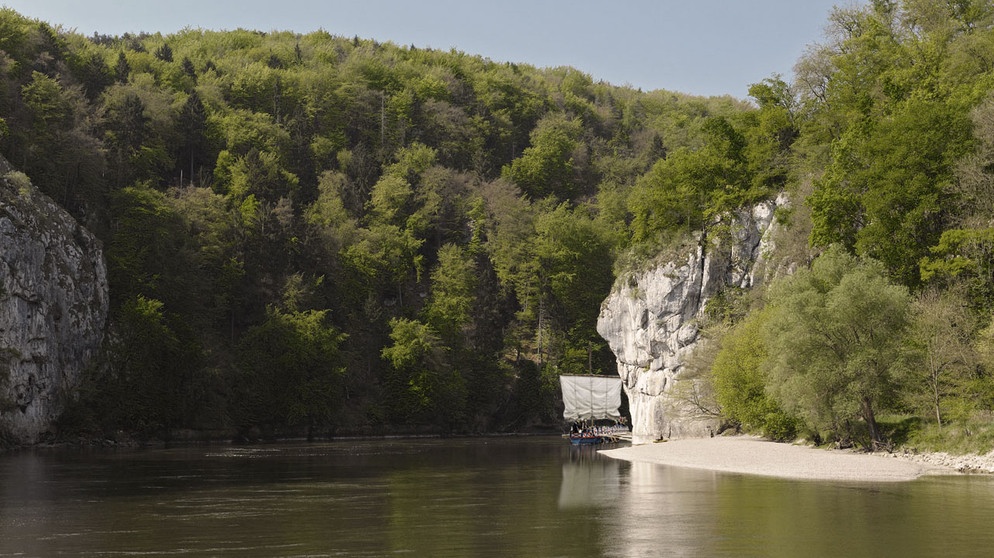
(971, 436)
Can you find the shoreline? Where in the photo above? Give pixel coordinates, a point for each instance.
(751, 455)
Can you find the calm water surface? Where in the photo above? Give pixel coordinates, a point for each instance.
(477, 497)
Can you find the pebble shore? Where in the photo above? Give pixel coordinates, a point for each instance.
(755, 456)
(961, 463)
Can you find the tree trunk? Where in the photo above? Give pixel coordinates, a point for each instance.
(871, 420)
(935, 401)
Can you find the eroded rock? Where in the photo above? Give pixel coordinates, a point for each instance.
(652, 320)
(53, 306)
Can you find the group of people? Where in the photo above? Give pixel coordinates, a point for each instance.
(582, 429)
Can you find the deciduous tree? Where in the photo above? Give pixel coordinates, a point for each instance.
(836, 339)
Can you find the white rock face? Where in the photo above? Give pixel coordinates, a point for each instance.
(651, 321)
(53, 307)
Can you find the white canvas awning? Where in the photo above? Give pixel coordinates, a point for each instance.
(591, 397)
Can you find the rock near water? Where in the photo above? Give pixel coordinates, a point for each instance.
(53, 306)
(652, 318)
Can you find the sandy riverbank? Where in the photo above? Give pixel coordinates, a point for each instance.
(754, 456)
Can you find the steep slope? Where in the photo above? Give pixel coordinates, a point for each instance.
(53, 306)
(651, 321)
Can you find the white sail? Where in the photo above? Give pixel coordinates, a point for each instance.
(591, 397)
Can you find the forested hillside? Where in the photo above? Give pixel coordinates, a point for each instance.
(311, 233)
(887, 335)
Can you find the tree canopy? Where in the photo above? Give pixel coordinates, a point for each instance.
(434, 231)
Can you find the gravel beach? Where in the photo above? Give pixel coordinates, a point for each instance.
(755, 456)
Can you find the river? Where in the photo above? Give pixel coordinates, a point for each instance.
(465, 497)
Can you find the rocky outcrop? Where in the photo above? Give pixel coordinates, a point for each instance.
(53, 306)
(652, 318)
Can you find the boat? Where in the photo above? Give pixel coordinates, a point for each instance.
(589, 402)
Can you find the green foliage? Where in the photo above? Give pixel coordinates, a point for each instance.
(574, 256)
(974, 435)
(741, 381)
(453, 286)
(546, 167)
(943, 362)
(887, 183)
(835, 341)
(148, 382)
(429, 389)
(461, 219)
(147, 242)
(689, 188)
(19, 181)
(289, 372)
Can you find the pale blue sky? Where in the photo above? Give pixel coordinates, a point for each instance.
(702, 47)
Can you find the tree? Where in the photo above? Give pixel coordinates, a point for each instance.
(573, 256)
(546, 167)
(188, 68)
(146, 254)
(453, 286)
(164, 53)
(773, 133)
(836, 339)
(741, 383)
(384, 256)
(430, 389)
(148, 381)
(688, 187)
(943, 357)
(193, 133)
(122, 69)
(289, 371)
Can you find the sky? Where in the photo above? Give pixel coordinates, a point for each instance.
(700, 47)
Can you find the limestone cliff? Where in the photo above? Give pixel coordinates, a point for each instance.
(53, 306)
(651, 320)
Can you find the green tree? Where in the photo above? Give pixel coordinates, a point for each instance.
(835, 340)
(428, 388)
(122, 69)
(384, 258)
(882, 195)
(688, 187)
(741, 383)
(453, 290)
(574, 256)
(547, 166)
(772, 135)
(164, 53)
(944, 360)
(289, 372)
(149, 383)
(147, 247)
(193, 154)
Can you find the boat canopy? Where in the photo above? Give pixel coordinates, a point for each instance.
(591, 397)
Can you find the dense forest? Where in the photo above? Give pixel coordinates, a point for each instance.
(319, 234)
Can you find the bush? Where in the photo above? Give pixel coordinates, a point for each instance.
(780, 426)
(20, 181)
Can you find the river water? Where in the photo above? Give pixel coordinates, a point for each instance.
(467, 497)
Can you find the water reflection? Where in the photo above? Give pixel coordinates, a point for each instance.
(663, 511)
(678, 512)
(589, 480)
(515, 497)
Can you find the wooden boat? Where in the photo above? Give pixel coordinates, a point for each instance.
(587, 400)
